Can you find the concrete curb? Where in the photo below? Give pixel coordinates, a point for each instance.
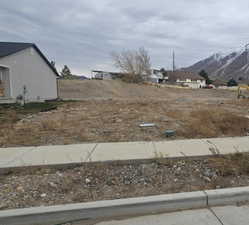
(104, 210)
(229, 196)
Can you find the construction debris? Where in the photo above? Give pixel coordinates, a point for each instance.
(147, 125)
(170, 133)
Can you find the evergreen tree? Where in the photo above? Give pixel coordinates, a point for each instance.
(232, 83)
(66, 73)
(53, 63)
(164, 72)
(204, 74)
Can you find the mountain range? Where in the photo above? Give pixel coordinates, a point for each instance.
(218, 66)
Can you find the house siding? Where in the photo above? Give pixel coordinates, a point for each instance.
(28, 68)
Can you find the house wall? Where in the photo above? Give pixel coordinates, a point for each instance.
(192, 83)
(202, 83)
(102, 75)
(4, 83)
(28, 68)
(156, 76)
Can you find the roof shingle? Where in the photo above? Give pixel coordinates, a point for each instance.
(8, 48)
(183, 75)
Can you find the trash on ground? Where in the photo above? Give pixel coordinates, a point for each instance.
(147, 125)
(170, 133)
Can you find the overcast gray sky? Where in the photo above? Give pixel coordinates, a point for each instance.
(82, 33)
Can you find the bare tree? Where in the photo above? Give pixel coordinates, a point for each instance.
(135, 64)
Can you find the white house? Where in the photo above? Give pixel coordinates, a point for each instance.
(104, 75)
(157, 76)
(185, 78)
(101, 75)
(24, 70)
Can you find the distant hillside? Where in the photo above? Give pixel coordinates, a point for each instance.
(234, 65)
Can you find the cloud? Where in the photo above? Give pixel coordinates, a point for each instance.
(82, 33)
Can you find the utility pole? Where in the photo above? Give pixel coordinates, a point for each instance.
(246, 49)
(174, 66)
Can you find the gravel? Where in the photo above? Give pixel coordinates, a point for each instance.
(93, 182)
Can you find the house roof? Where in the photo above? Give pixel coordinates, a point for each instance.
(183, 75)
(9, 48)
(219, 82)
(244, 81)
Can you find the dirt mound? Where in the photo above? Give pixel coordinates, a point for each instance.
(74, 89)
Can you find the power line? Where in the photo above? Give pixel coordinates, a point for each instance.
(246, 49)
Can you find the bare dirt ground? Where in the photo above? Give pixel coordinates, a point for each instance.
(92, 182)
(111, 111)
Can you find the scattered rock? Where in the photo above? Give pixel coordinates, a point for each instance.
(110, 181)
(59, 174)
(52, 184)
(20, 189)
(43, 195)
(209, 173)
(207, 179)
(88, 181)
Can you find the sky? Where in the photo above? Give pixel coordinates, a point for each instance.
(83, 33)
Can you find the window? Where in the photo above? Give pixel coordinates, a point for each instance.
(1, 75)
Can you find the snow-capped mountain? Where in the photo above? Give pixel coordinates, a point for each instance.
(234, 65)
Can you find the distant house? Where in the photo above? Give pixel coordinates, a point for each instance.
(104, 75)
(24, 70)
(74, 77)
(243, 81)
(157, 76)
(219, 83)
(185, 78)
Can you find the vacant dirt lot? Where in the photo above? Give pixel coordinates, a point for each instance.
(111, 111)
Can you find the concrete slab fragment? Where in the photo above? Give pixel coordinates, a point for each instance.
(198, 217)
(233, 215)
(123, 151)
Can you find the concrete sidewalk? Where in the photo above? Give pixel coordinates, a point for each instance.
(68, 154)
(227, 215)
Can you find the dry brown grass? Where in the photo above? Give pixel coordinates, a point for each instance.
(234, 164)
(51, 125)
(113, 112)
(113, 121)
(177, 114)
(213, 123)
